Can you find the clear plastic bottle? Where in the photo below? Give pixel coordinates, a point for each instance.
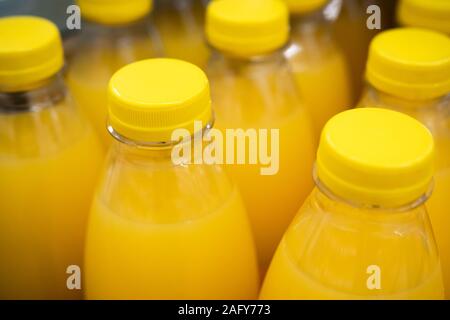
(408, 71)
(319, 65)
(113, 34)
(364, 232)
(171, 230)
(434, 15)
(49, 158)
(252, 88)
(180, 24)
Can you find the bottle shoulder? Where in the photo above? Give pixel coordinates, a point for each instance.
(328, 233)
(152, 188)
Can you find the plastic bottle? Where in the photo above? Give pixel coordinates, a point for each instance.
(253, 89)
(409, 71)
(364, 232)
(49, 158)
(159, 228)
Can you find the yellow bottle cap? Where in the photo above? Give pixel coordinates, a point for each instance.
(30, 52)
(247, 28)
(431, 14)
(304, 6)
(149, 99)
(114, 11)
(410, 63)
(376, 156)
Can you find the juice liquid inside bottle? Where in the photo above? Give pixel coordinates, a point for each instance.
(171, 231)
(319, 65)
(49, 158)
(256, 91)
(364, 232)
(180, 24)
(431, 107)
(107, 42)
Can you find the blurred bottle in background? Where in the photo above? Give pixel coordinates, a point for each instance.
(49, 158)
(364, 232)
(180, 24)
(354, 36)
(113, 34)
(55, 11)
(408, 70)
(52, 10)
(427, 14)
(252, 87)
(320, 68)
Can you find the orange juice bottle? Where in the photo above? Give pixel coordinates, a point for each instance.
(162, 229)
(318, 64)
(252, 88)
(425, 14)
(49, 158)
(409, 71)
(364, 232)
(113, 34)
(180, 24)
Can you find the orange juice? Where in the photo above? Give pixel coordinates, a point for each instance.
(254, 89)
(414, 95)
(317, 62)
(180, 24)
(173, 249)
(49, 159)
(159, 229)
(364, 232)
(113, 35)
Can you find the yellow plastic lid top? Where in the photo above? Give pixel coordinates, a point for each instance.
(30, 51)
(376, 156)
(149, 99)
(410, 63)
(304, 6)
(249, 27)
(432, 14)
(114, 11)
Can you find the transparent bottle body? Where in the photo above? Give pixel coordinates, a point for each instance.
(338, 250)
(260, 93)
(160, 230)
(100, 51)
(435, 115)
(49, 158)
(180, 24)
(319, 65)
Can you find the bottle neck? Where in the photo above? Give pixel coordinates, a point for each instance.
(247, 65)
(327, 198)
(45, 94)
(161, 151)
(377, 97)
